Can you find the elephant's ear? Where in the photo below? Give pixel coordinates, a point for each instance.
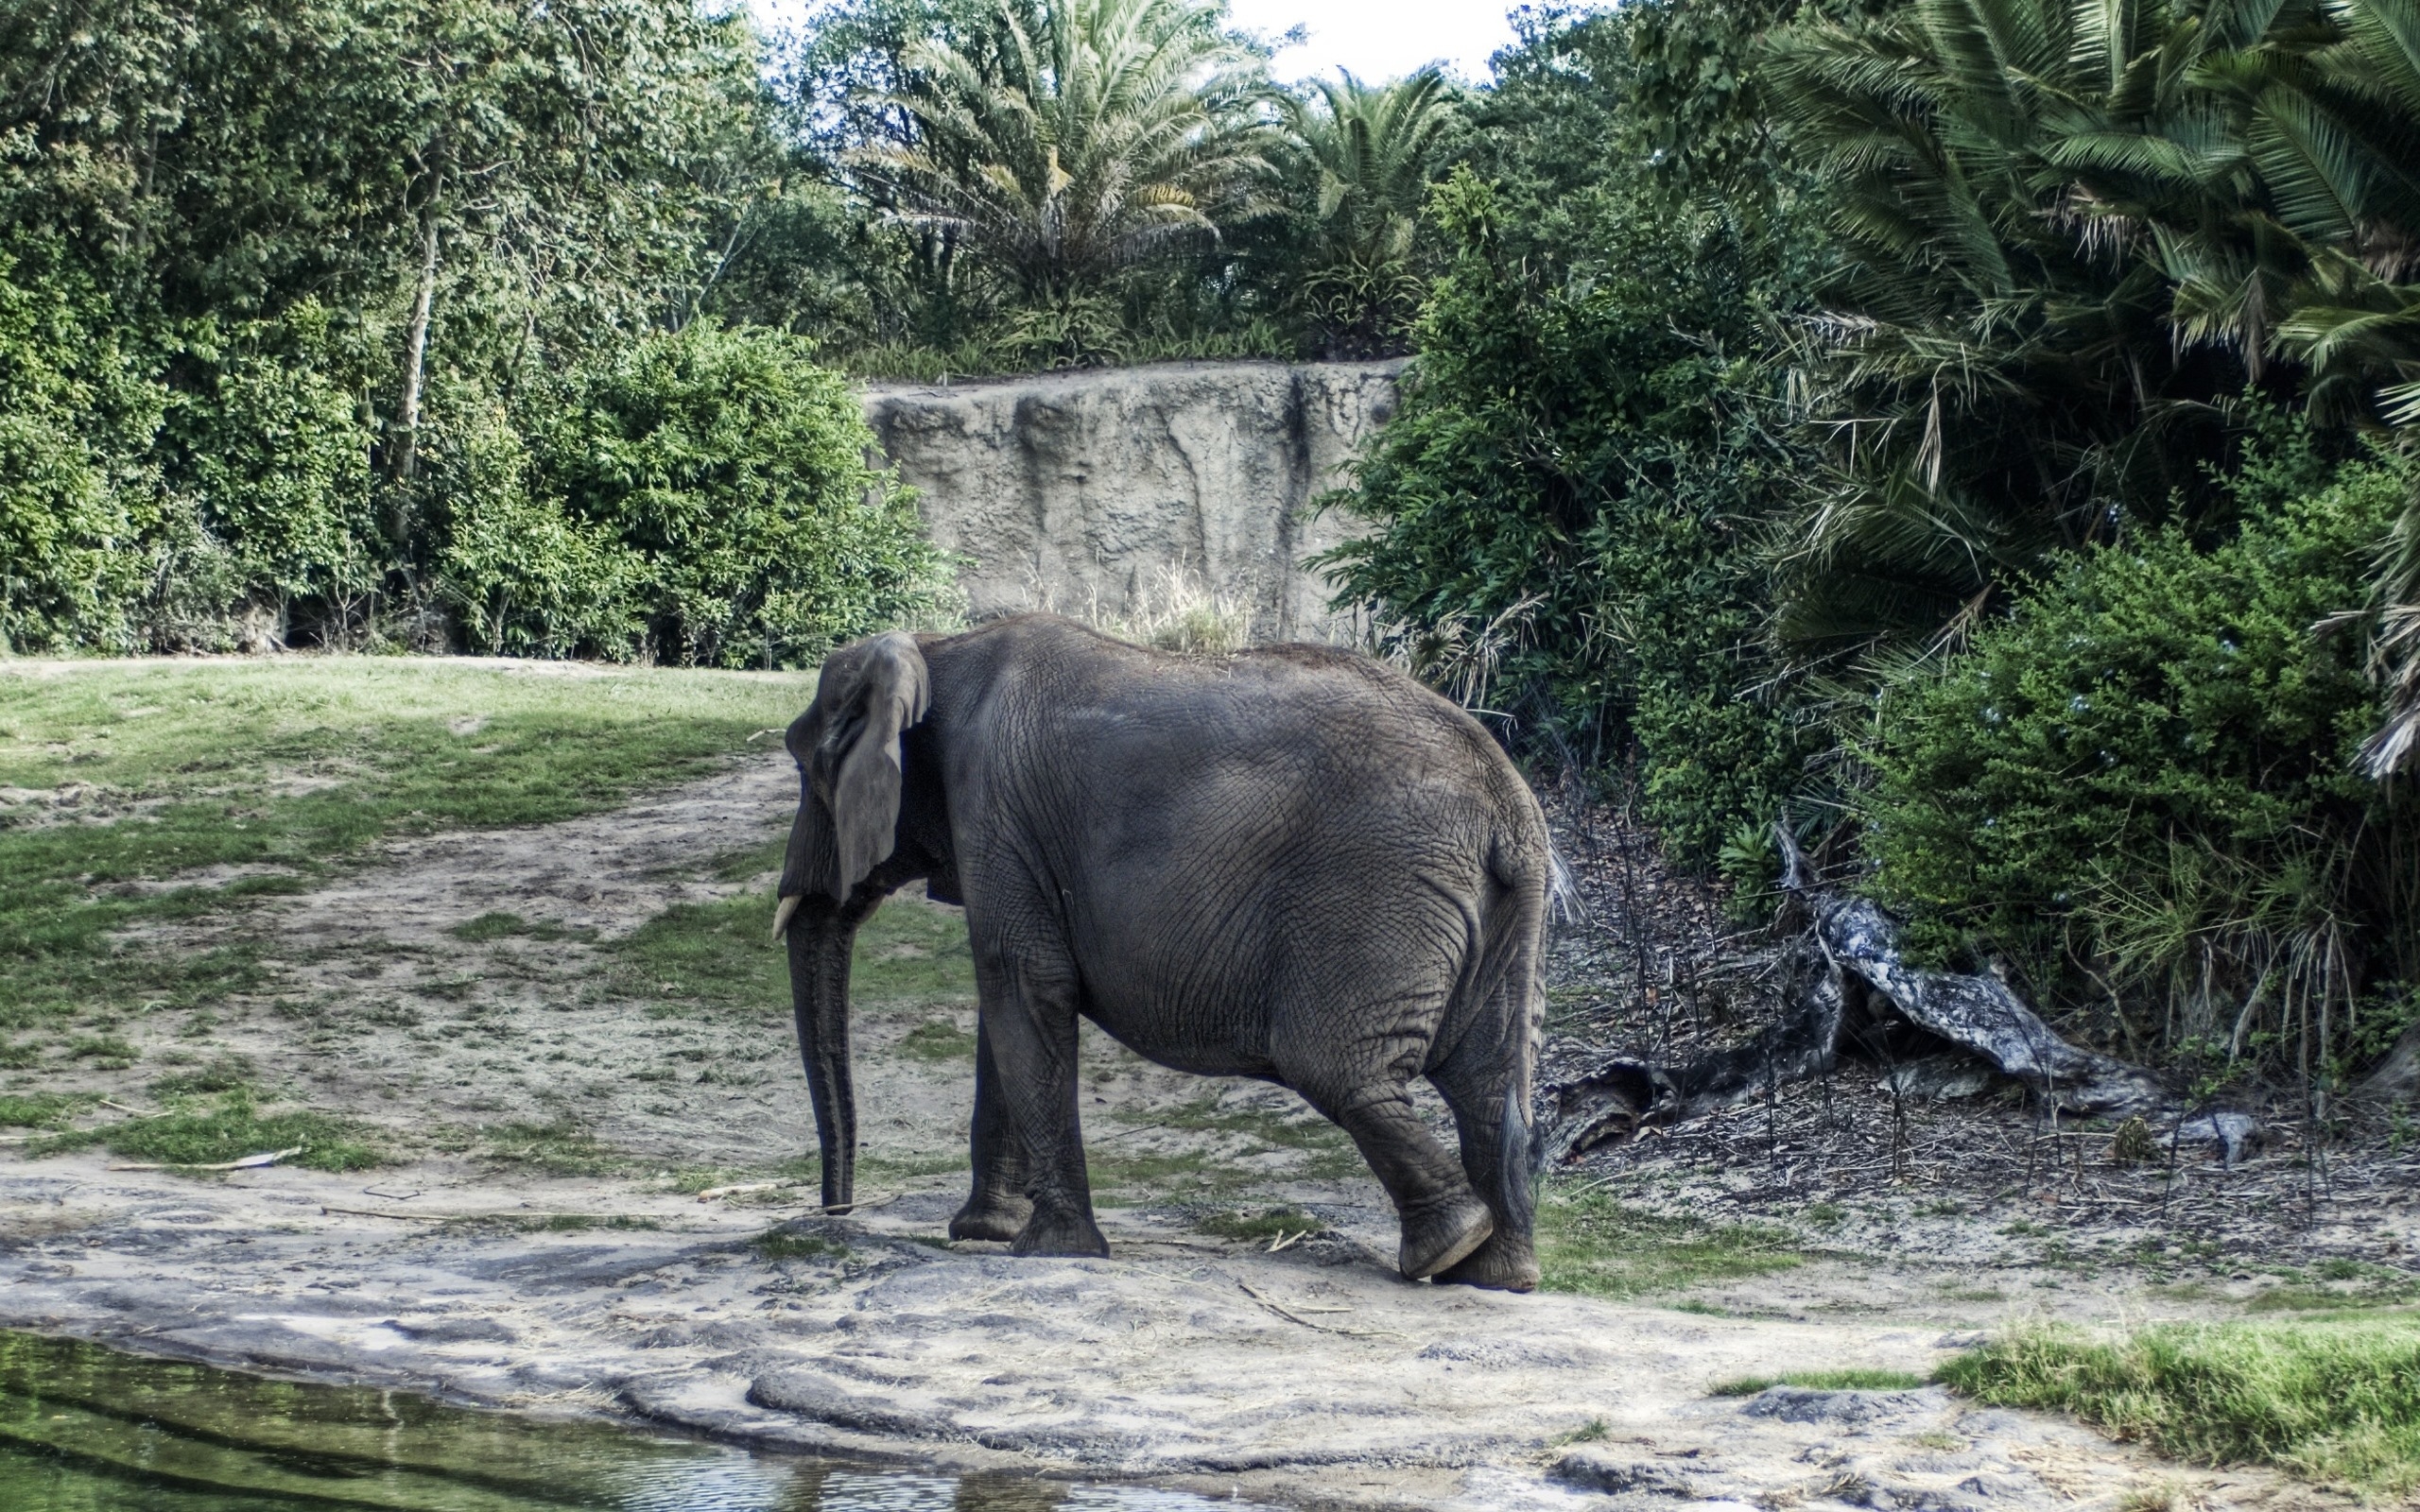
(869, 693)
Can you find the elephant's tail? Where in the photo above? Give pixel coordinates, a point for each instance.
(1513, 936)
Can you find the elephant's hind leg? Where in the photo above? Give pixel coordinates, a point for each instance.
(997, 1208)
(1444, 1220)
(1495, 1157)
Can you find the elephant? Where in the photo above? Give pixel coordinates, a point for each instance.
(1293, 864)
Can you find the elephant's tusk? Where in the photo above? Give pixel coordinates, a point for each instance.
(782, 917)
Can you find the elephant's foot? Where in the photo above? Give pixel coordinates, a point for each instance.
(1060, 1233)
(1000, 1218)
(1439, 1236)
(1504, 1263)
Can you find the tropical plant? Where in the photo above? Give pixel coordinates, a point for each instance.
(2136, 789)
(1994, 366)
(1564, 515)
(1072, 139)
(1367, 153)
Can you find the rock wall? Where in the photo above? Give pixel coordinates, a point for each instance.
(1091, 493)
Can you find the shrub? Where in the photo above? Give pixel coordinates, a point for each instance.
(734, 470)
(75, 406)
(528, 579)
(277, 454)
(1565, 509)
(2139, 783)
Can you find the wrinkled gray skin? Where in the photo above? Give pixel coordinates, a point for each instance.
(1295, 865)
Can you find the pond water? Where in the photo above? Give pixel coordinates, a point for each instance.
(84, 1429)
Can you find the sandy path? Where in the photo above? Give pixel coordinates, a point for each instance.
(1313, 1376)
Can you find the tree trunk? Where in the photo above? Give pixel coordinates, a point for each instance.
(416, 347)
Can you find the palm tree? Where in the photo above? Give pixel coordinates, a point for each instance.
(1076, 137)
(1367, 152)
(1995, 362)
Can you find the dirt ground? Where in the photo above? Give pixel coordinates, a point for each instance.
(571, 1041)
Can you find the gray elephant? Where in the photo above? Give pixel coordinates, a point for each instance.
(1294, 864)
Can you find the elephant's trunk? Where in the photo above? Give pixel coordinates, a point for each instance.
(820, 939)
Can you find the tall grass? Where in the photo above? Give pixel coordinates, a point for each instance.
(2335, 1401)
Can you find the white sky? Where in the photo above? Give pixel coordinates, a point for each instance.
(1376, 39)
(1381, 38)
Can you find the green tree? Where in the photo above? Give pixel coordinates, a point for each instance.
(1074, 139)
(1367, 156)
(1566, 511)
(2138, 789)
(731, 469)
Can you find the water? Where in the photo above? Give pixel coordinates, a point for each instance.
(84, 1429)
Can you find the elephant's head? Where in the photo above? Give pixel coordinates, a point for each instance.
(847, 747)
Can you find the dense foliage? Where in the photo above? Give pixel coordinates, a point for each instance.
(1567, 504)
(2144, 777)
(288, 294)
(1871, 442)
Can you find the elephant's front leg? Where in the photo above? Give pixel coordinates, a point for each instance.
(997, 1207)
(1029, 1007)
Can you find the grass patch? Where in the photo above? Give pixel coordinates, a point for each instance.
(792, 1243)
(1857, 1379)
(496, 926)
(939, 1040)
(2334, 1401)
(229, 1132)
(1270, 1223)
(721, 957)
(562, 1147)
(226, 1073)
(1592, 1245)
(1271, 1126)
(296, 763)
(38, 1109)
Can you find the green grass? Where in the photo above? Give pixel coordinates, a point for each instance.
(37, 1110)
(1852, 1380)
(229, 1131)
(790, 1244)
(2335, 1400)
(562, 1147)
(1271, 1127)
(719, 957)
(939, 1040)
(224, 1073)
(1590, 1243)
(296, 763)
(511, 926)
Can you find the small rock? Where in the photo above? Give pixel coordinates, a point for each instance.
(1599, 1469)
(2235, 1134)
(1802, 1404)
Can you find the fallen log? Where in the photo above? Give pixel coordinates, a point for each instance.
(1844, 987)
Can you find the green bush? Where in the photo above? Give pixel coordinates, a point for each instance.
(277, 451)
(734, 472)
(2138, 786)
(1566, 506)
(76, 409)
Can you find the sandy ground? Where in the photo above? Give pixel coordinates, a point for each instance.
(1310, 1375)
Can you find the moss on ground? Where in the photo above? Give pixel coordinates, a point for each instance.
(1590, 1243)
(1851, 1380)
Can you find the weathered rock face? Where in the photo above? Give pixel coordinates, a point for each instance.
(1086, 492)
